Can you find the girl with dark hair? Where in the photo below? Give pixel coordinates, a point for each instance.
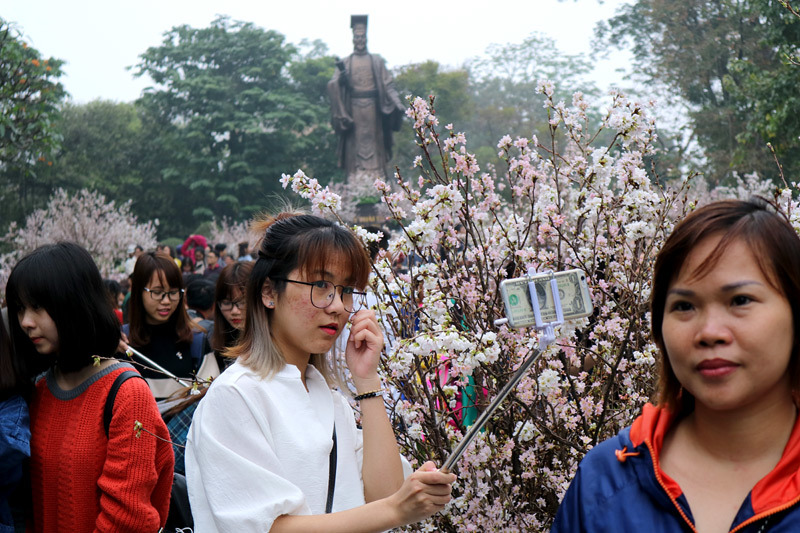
(273, 447)
(84, 477)
(199, 257)
(115, 296)
(186, 269)
(229, 312)
(160, 327)
(721, 451)
(230, 307)
(244, 252)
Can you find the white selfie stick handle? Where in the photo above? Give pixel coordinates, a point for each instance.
(153, 365)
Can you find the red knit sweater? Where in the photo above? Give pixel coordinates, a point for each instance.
(83, 482)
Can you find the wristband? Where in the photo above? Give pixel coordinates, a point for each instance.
(370, 394)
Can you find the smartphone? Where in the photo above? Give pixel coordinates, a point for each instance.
(572, 289)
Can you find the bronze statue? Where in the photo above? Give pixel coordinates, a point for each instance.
(365, 108)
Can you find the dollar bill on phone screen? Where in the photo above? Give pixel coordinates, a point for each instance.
(572, 289)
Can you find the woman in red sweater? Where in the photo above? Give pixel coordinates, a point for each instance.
(85, 478)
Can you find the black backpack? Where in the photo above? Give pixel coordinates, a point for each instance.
(179, 517)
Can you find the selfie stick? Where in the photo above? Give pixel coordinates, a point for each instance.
(545, 338)
(155, 366)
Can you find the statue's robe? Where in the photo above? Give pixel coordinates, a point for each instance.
(365, 110)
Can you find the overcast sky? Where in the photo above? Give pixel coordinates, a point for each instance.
(98, 39)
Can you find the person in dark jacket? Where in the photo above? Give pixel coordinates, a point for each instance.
(16, 388)
(721, 451)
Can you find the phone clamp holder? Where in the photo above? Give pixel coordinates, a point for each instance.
(547, 328)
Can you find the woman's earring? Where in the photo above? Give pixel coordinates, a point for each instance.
(271, 304)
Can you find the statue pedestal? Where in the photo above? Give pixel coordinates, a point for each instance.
(366, 200)
(367, 215)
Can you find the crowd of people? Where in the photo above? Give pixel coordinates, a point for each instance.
(87, 448)
(90, 441)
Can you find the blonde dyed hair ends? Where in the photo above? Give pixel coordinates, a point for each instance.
(295, 241)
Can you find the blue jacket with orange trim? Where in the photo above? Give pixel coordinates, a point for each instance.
(620, 487)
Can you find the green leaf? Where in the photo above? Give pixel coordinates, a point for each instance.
(201, 184)
(203, 213)
(228, 198)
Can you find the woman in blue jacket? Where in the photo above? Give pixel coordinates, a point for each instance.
(721, 451)
(16, 386)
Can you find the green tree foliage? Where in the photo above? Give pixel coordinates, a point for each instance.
(310, 70)
(101, 148)
(506, 79)
(234, 106)
(225, 101)
(727, 60)
(453, 93)
(496, 93)
(124, 153)
(30, 93)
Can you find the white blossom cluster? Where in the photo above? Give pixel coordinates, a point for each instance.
(103, 227)
(322, 198)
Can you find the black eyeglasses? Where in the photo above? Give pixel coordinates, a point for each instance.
(323, 292)
(173, 295)
(227, 305)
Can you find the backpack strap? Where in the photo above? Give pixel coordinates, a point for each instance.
(108, 411)
(199, 340)
(331, 474)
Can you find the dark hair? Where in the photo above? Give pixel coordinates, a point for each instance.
(232, 278)
(243, 248)
(113, 289)
(146, 265)
(381, 244)
(15, 377)
(775, 246)
(63, 279)
(200, 294)
(165, 249)
(309, 242)
(190, 278)
(219, 248)
(292, 241)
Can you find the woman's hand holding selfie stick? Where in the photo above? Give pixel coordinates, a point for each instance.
(391, 500)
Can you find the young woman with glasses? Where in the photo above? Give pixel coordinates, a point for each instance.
(230, 308)
(229, 313)
(85, 476)
(273, 447)
(159, 326)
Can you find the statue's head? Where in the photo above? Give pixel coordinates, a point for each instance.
(359, 25)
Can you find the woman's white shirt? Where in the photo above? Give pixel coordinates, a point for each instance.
(258, 449)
